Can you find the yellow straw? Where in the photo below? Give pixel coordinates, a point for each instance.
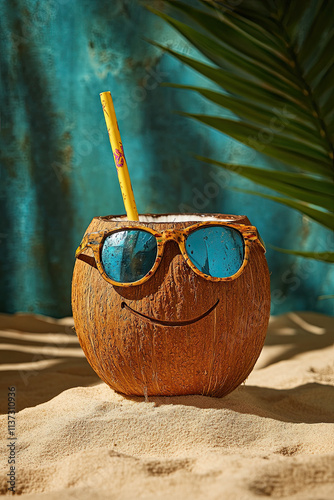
(118, 152)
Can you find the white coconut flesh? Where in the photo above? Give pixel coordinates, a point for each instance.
(177, 218)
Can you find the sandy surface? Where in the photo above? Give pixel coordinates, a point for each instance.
(76, 438)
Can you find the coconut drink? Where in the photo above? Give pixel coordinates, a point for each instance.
(170, 304)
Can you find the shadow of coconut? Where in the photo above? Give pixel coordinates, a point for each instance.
(309, 403)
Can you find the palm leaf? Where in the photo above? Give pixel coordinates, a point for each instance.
(322, 22)
(268, 38)
(324, 60)
(323, 92)
(303, 188)
(293, 152)
(245, 88)
(326, 219)
(324, 256)
(220, 55)
(225, 29)
(256, 113)
(261, 62)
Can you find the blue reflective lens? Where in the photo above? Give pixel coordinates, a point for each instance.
(217, 251)
(128, 255)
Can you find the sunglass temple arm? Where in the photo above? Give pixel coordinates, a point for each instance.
(85, 258)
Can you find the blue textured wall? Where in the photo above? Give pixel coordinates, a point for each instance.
(57, 170)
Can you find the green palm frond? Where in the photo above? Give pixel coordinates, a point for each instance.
(324, 256)
(272, 63)
(298, 186)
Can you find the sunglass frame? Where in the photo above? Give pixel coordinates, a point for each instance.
(96, 239)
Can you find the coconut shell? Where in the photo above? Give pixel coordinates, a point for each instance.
(139, 356)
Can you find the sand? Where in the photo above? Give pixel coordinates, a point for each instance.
(76, 438)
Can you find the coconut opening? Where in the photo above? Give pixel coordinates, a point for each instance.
(167, 218)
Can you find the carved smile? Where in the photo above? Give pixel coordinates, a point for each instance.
(168, 323)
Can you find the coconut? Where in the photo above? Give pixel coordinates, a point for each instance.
(177, 333)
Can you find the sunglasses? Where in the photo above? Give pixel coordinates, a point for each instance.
(129, 255)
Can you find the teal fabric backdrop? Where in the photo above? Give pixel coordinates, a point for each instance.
(57, 170)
